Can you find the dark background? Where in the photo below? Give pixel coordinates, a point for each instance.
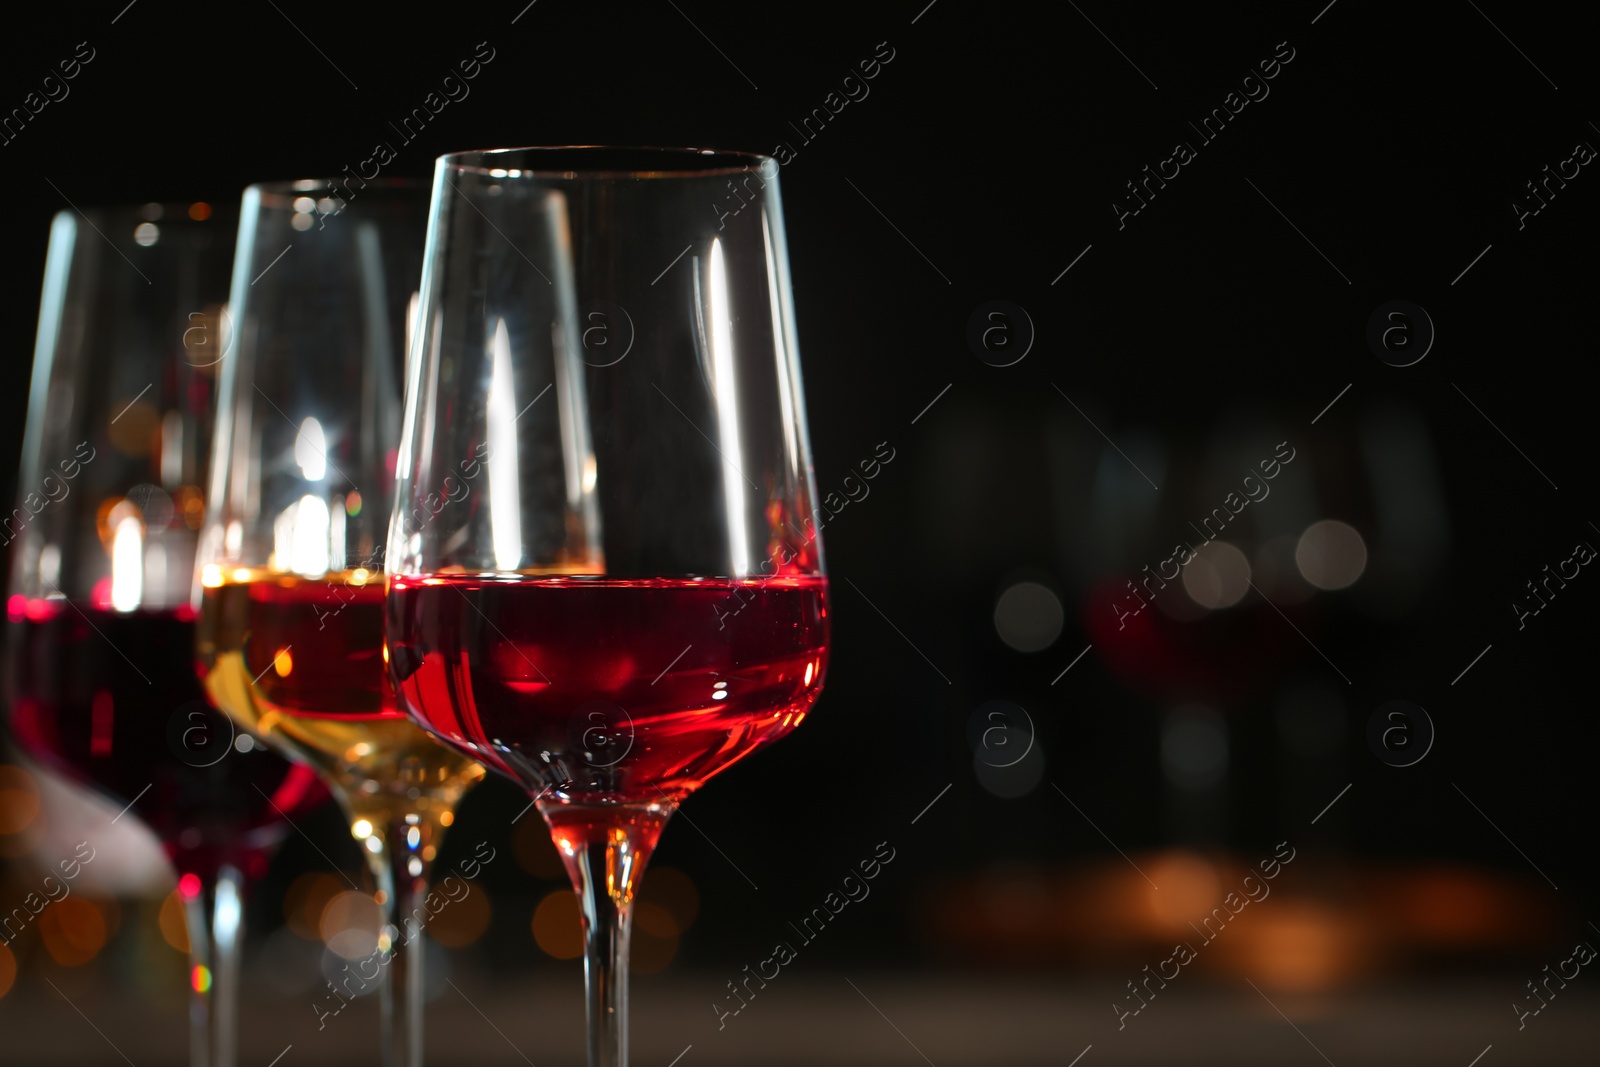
(996, 141)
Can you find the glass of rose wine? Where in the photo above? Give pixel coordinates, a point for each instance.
(604, 577)
(290, 574)
(99, 664)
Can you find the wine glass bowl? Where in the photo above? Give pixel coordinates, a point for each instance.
(99, 665)
(571, 511)
(645, 696)
(100, 673)
(300, 661)
(605, 580)
(290, 585)
(290, 578)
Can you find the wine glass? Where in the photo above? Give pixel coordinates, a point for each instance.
(99, 665)
(605, 580)
(290, 567)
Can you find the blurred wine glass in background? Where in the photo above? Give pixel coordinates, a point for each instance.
(99, 668)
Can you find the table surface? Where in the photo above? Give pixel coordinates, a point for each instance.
(940, 1018)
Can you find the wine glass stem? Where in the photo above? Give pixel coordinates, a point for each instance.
(607, 926)
(215, 920)
(401, 870)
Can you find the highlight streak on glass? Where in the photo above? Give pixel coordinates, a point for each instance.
(127, 565)
(727, 407)
(311, 450)
(308, 551)
(505, 505)
(781, 350)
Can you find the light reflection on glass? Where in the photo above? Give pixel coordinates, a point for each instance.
(300, 537)
(336, 535)
(311, 450)
(50, 564)
(505, 501)
(127, 563)
(727, 406)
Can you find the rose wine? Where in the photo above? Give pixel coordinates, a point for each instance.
(110, 698)
(598, 690)
(300, 661)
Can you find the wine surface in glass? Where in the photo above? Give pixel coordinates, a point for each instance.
(300, 661)
(608, 690)
(110, 698)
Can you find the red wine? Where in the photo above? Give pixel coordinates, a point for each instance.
(111, 699)
(608, 690)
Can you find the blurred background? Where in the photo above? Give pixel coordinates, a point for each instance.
(1068, 788)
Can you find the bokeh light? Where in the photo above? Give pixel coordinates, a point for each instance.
(675, 891)
(1028, 617)
(350, 924)
(193, 503)
(19, 799)
(1218, 576)
(170, 920)
(556, 927)
(655, 938)
(1297, 946)
(74, 930)
(134, 438)
(1331, 554)
(8, 969)
(305, 899)
(534, 851)
(1190, 887)
(463, 920)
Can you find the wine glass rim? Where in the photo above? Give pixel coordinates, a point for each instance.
(606, 161)
(289, 186)
(170, 211)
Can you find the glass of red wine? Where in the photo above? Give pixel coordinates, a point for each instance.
(291, 560)
(99, 664)
(604, 576)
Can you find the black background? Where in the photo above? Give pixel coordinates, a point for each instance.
(996, 141)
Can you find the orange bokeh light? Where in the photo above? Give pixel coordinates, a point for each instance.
(675, 891)
(74, 931)
(8, 969)
(1190, 888)
(170, 921)
(304, 901)
(462, 921)
(19, 799)
(556, 926)
(1297, 946)
(655, 938)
